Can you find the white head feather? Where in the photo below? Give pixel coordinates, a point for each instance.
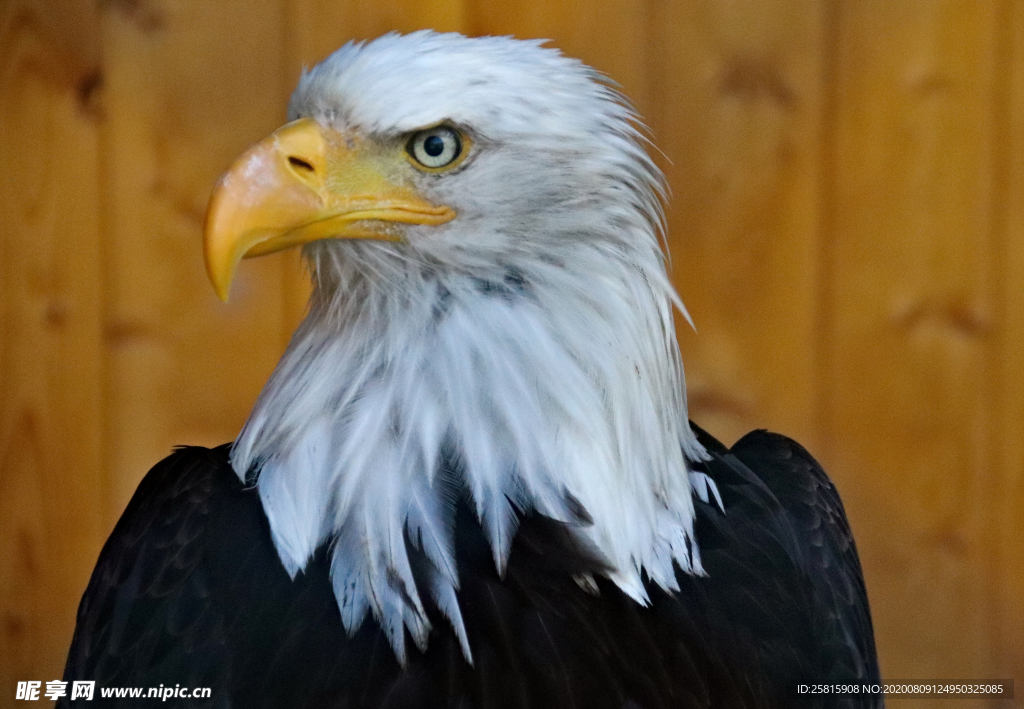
(533, 334)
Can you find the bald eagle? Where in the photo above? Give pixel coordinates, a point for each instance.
(471, 480)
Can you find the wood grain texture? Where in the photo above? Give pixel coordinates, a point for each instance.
(610, 35)
(320, 26)
(52, 483)
(1006, 386)
(187, 86)
(910, 334)
(737, 113)
(847, 228)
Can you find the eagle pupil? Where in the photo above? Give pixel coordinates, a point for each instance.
(433, 146)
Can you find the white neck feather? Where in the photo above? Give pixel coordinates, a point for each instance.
(552, 379)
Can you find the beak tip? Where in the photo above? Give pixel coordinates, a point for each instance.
(223, 291)
(221, 285)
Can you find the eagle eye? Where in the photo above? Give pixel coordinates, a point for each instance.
(437, 148)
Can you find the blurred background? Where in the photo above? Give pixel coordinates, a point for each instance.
(847, 229)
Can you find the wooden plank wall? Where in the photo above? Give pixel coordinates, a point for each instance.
(52, 477)
(909, 332)
(847, 229)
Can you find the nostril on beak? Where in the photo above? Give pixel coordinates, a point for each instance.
(300, 164)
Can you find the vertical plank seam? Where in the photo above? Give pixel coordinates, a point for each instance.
(104, 193)
(470, 18)
(999, 407)
(464, 16)
(831, 13)
(646, 62)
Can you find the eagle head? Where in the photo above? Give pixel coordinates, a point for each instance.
(482, 225)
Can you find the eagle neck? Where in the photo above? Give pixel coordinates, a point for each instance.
(557, 387)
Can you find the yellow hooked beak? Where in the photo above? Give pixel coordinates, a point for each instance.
(302, 183)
